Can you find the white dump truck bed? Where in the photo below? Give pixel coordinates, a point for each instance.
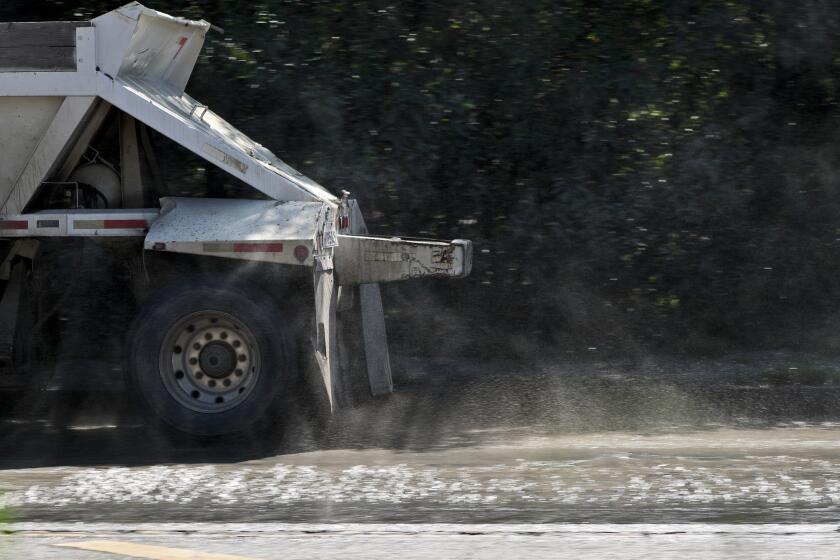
(138, 60)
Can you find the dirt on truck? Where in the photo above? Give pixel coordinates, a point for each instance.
(211, 309)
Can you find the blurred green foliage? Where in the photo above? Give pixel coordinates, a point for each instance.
(658, 172)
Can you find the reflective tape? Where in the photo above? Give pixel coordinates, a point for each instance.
(125, 224)
(252, 247)
(14, 224)
(109, 224)
(257, 247)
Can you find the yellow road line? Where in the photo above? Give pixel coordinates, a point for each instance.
(149, 552)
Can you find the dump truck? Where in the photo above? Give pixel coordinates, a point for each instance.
(210, 304)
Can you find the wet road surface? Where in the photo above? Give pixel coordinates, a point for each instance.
(616, 446)
(778, 474)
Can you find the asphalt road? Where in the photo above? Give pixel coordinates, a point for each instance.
(546, 462)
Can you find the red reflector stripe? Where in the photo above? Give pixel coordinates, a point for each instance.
(257, 247)
(14, 224)
(125, 224)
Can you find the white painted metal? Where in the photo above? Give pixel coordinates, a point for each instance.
(132, 182)
(215, 227)
(138, 42)
(188, 122)
(216, 219)
(24, 120)
(366, 259)
(45, 157)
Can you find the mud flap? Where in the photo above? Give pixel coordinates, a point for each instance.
(373, 324)
(326, 342)
(376, 340)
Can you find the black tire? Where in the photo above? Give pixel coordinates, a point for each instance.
(224, 311)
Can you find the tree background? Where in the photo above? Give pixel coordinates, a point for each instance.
(637, 175)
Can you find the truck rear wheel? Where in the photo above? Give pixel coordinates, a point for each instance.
(209, 359)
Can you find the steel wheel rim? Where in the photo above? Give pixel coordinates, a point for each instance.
(209, 361)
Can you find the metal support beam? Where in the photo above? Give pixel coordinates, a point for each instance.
(155, 182)
(132, 179)
(82, 143)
